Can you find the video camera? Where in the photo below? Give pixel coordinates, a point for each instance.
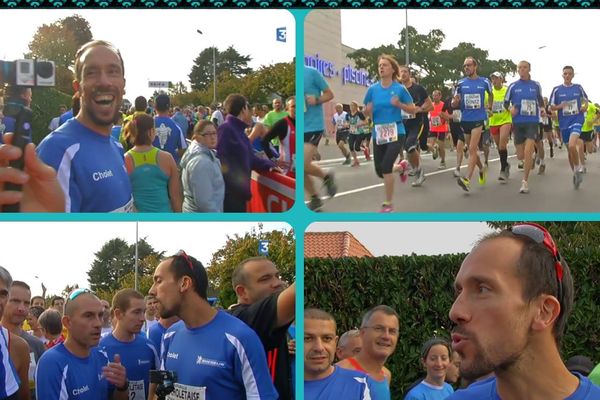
(165, 382)
(20, 76)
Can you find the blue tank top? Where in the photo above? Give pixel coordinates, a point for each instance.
(9, 380)
(381, 389)
(149, 183)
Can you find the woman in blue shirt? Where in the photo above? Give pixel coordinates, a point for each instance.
(435, 357)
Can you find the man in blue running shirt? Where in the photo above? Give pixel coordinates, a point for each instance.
(89, 163)
(77, 369)
(514, 293)
(469, 96)
(169, 136)
(571, 101)
(322, 380)
(215, 355)
(138, 353)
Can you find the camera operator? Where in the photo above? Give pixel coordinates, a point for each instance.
(77, 368)
(20, 96)
(214, 355)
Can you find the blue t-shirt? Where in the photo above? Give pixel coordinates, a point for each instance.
(7, 124)
(168, 136)
(155, 334)
(91, 169)
(341, 384)
(526, 96)
(572, 95)
(314, 85)
(65, 117)
(8, 373)
(472, 98)
(383, 110)
(224, 359)
(486, 390)
(138, 357)
(425, 391)
(116, 132)
(60, 375)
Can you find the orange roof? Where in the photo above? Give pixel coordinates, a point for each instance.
(333, 244)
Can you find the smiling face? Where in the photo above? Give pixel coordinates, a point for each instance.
(380, 335)
(436, 362)
(101, 87)
(492, 318)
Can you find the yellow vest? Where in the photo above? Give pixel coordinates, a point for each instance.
(500, 115)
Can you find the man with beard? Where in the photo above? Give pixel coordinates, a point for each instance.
(89, 162)
(514, 295)
(269, 308)
(322, 380)
(215, 355)
(138, 353)
(77, 368)
(379, 331)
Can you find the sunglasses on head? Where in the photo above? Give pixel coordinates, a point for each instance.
(540, 235)
(182, 254)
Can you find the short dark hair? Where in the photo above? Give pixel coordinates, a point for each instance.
(536, 267)
(140, 103)
(21, 284)
(316, 313)
(180, 267)
(569, 67)
(387, 310)
(92, 44)
(122, 299)
(238, 277)
(434, 342)
(56, 298)
(38, 297)
(50, 320)
(235, 103)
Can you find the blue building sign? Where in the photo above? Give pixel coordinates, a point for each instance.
(349, 74)
(263, 247)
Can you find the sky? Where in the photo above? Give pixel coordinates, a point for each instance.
(61, 253)
(167, 42)
(532, 35)
(405, 238)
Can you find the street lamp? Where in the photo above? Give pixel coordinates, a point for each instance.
(214, 65)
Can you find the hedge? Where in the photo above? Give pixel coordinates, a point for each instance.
(420, 289)
(45, 107)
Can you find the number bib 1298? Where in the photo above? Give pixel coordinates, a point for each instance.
(386, 133)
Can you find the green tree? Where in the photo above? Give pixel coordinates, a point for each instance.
(79, 27)
(436, 68)
(177, 89)
(282, 245)
(201, 76)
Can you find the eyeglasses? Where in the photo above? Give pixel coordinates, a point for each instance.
(380, 330)
(540, 235)
(209, 134)
(182, 253)
(75, 293)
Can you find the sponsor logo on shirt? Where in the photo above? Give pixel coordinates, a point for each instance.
(99, 175)
(142, 362)
(209, 362)
(77, 392)
(174, 356)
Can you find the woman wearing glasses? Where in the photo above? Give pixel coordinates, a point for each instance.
(203, 185)
(153, 173)
(385, 101)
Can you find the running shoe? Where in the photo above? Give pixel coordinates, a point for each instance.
(412, 172)
(483, 176)
(507, 170)
(403, 168)
(521, 164)
(551, 151)
(386, 208)
(578, 178)
(456, 173)
(329, 183)
(464, 183)
(420, 178)
(524, 187)
(315, 203)
(435, 153)
(347, 161)
(542, 169)
(503, 177)
(442, 165)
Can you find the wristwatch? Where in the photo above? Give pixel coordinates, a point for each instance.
(124, 387)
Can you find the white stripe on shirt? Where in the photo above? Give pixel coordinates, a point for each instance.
(64, 173)
(247, 372)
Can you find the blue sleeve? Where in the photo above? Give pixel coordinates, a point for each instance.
(540, 96)
(488, 86)
(250, 366)
(320, 82)
(368, 96)
(552, 100)
(585, 96)
(48, 379)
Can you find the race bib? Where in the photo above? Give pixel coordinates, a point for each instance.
(571, 108)
(186, 392)
(386, 133)
(406, 115)
(436, 121)
(497, 107)
(456, 115)
(528, 108)
(136, 390)
(353, 129)
(472, 101)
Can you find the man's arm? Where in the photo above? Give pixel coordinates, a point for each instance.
(19, 352)
(286, 306)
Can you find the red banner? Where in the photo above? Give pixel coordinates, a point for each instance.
(271, 192)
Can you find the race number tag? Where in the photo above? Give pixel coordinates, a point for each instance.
(472, 101)
(571, 108)
(353, 129)
(136, 390)
(528, 107)
(406, 115)
(436, 121)
(497, 107)
(187, 392)
(386, 133)
(456, 115)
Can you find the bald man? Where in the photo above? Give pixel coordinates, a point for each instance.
(77, 368)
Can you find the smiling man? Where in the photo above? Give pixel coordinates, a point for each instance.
(379, 331)
(88, 161)
(514, 295)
